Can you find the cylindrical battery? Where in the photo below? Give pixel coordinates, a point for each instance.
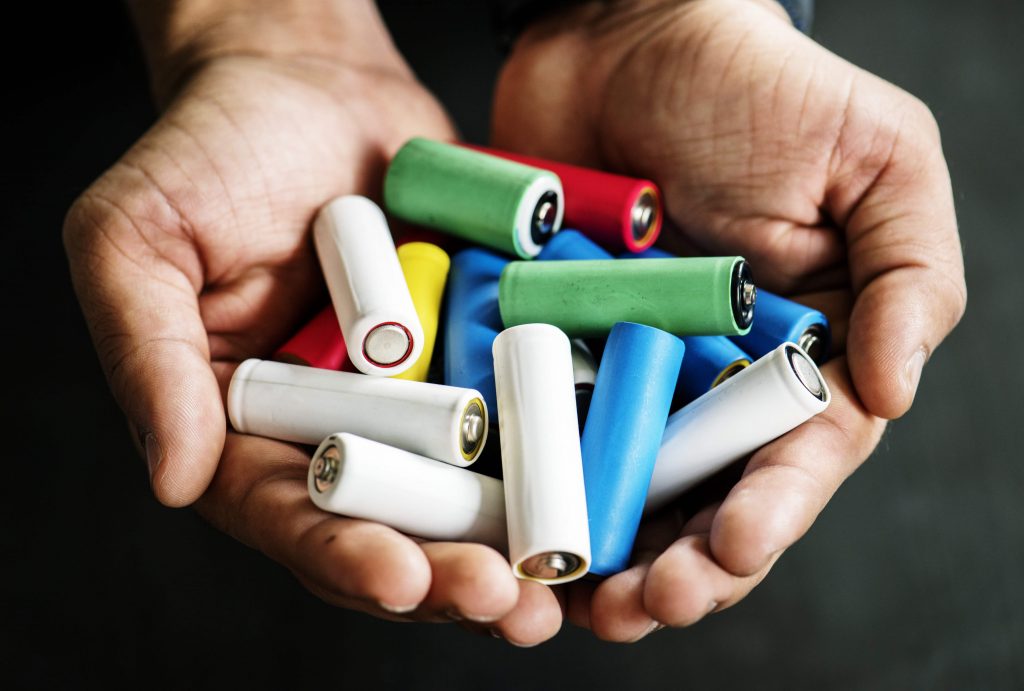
(572, 244)
(481, 198)
(710, 360)
(305, 405)
(620, 442)
(370, 296)
(777, 393)
(426, 268)
(584, 374)
(545, 501)
(698, 296)
(615, 211)
(317, 344)
(780, 320)
(357, 477)
(472, 322)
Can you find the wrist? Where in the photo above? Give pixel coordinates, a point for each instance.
(179, 36)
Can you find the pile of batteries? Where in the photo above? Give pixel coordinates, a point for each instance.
(585, 449)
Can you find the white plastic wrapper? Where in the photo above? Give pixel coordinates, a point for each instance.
(777, 393)
(545, 502)
(365, 479)
(367, 286)
(305, 405)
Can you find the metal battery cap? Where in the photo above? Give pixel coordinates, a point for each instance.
(325, 468)
(744, 294)
(387, 345)
(806, 372)
(542, 223)
(644, 216)
(812, 341)
(549, 565)
(472, 429)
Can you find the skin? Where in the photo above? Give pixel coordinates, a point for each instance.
(192, 253)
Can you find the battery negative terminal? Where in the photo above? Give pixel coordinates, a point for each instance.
(474, 425)
(387, 345)
(544, 214)
(806, 372)
(548, 565)
(644, 216)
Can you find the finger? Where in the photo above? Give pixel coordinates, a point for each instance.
(536, 617)
(905, 259)
(617, 611)
(468, 581)
(686, 583)
(137, 278)
(788, 482)
(579, 595)
(259, 496)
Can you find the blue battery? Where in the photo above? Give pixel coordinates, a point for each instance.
(649, 253)
(780, 320)
(632, 396)
(710, 360)
(472, 321)
(572, 244)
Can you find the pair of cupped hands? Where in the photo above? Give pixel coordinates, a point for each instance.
(192, 253)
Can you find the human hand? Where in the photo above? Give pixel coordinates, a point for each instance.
(830, 181)
(192, 254)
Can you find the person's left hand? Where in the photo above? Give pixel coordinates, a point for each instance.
(829, 180)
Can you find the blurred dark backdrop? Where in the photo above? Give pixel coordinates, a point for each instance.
(912, 577)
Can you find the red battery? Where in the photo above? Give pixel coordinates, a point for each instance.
(617, 212)
(317, 344)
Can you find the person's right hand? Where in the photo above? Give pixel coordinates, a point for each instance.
(192, 253)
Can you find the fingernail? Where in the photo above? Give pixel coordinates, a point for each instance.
(453, 614)
(154, 455)
(712, 606)
(654, 626)
(912, 372)
(397, 609)
(482, 618)
(496, 634)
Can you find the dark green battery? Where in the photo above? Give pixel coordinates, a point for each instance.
(482, 198)
(691, 296)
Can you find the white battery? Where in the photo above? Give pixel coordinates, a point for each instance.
(777, 393)
(545, 503)
(584, 368)
(367, 286)
(305, 405)
(365, 479)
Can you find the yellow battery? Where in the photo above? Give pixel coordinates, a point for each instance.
(426, 269)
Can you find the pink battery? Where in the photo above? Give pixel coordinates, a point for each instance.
(617, 212)
(317, 344)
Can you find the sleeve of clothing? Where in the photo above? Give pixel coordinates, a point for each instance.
(511, 17)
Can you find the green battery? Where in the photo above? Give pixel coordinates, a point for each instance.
(487, 200)
(691, 296)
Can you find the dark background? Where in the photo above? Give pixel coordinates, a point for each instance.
(912, 577)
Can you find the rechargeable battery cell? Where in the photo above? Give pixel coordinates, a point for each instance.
(545, 502)
(375, 311)
(360, 478)
(472, 322)
(425, 267)
(710, 360)
(484, 199)
(317, 344)
(698, 296)
(632, 397)
(584, 374)
(572, 244)
(774, 395)
(617, 212)
(305, 405)
(780, 320)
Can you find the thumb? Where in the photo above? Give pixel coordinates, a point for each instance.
(905, 265)
(137, 277)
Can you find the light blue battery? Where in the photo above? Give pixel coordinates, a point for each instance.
(710, 360)
(632, 396)
(472, 321)
(780, 320)
(572, 244)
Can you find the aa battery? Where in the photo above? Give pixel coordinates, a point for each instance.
(780, 320)
(618, 212)
(710, 360)
(572, 244)
(584, 374)
(317, 344)
(484, 199)
(631, 402)
(360, 478)
(425, 267)
(375, 311)
(777, 393)
(545, 502)
(698, 296)
(305, 405)
(472, 322)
